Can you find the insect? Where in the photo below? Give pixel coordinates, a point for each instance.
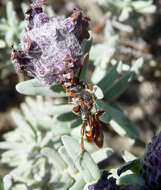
(82, 96)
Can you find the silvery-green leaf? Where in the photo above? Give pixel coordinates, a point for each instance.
(113, 171)
(118, 88)
(84, 163)
(9, 37)
(101, 53)
(49, 10)
(47, 139)
(125, 14)
(133, 165)
(9, 66)
(100, 2)
(74, 151)
(111, 37)
(61, 128)
(137, 65)
(97, 74)
(66, 180)
(131, 179)
(148, 10)
(54, 158)
(144, 7)
(119, 122)
(24, 7)
(95, 55)
(112, 5)
(58, 109)
(63, 182)
(22, 166)
(66, 116)
(7, 145)
(28, 114)
(110, 77)
(106, 117)
(11, 14)
(34, 87)
(127, 156)
(86, 46)
(20, 121)
(8, 182)
(79, 183)
(98, 92)
(76, 122)
(102, 154)
(58, 185)
(3, 27)
(2, 44)
(68, 160)
(21, 28)
(88, 162)
(1, 184)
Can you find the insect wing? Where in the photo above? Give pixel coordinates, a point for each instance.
(97, 132)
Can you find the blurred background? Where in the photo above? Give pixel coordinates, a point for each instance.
(122, 31)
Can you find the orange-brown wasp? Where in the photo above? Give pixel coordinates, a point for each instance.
(83, 98)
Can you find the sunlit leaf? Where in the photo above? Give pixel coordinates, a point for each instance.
(110, 77)
(127, 156)
(1, 183)
(133, 165)
(119, 122)
(66, 116)
(144, 7)
(58, 108)
(35, 87)
(86, 45)
(84, 163)
(131, 179)
(118, 88)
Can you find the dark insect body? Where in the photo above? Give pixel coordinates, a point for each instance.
(82, 96)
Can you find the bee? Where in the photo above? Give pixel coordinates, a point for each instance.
(82, 96)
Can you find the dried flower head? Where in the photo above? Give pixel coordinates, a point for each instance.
(151, 163)
(51, 48)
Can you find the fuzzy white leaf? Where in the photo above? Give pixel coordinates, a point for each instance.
(35, 87)
(85, 163)
(2, 44)
(145, 7)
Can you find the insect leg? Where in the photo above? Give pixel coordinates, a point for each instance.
(84, 58)
(82, 63)
(82, 142)
(100, 113)
(82, 135)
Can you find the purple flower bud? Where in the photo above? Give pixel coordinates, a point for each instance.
(105, 183)
(151, 163)
(51, 48)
